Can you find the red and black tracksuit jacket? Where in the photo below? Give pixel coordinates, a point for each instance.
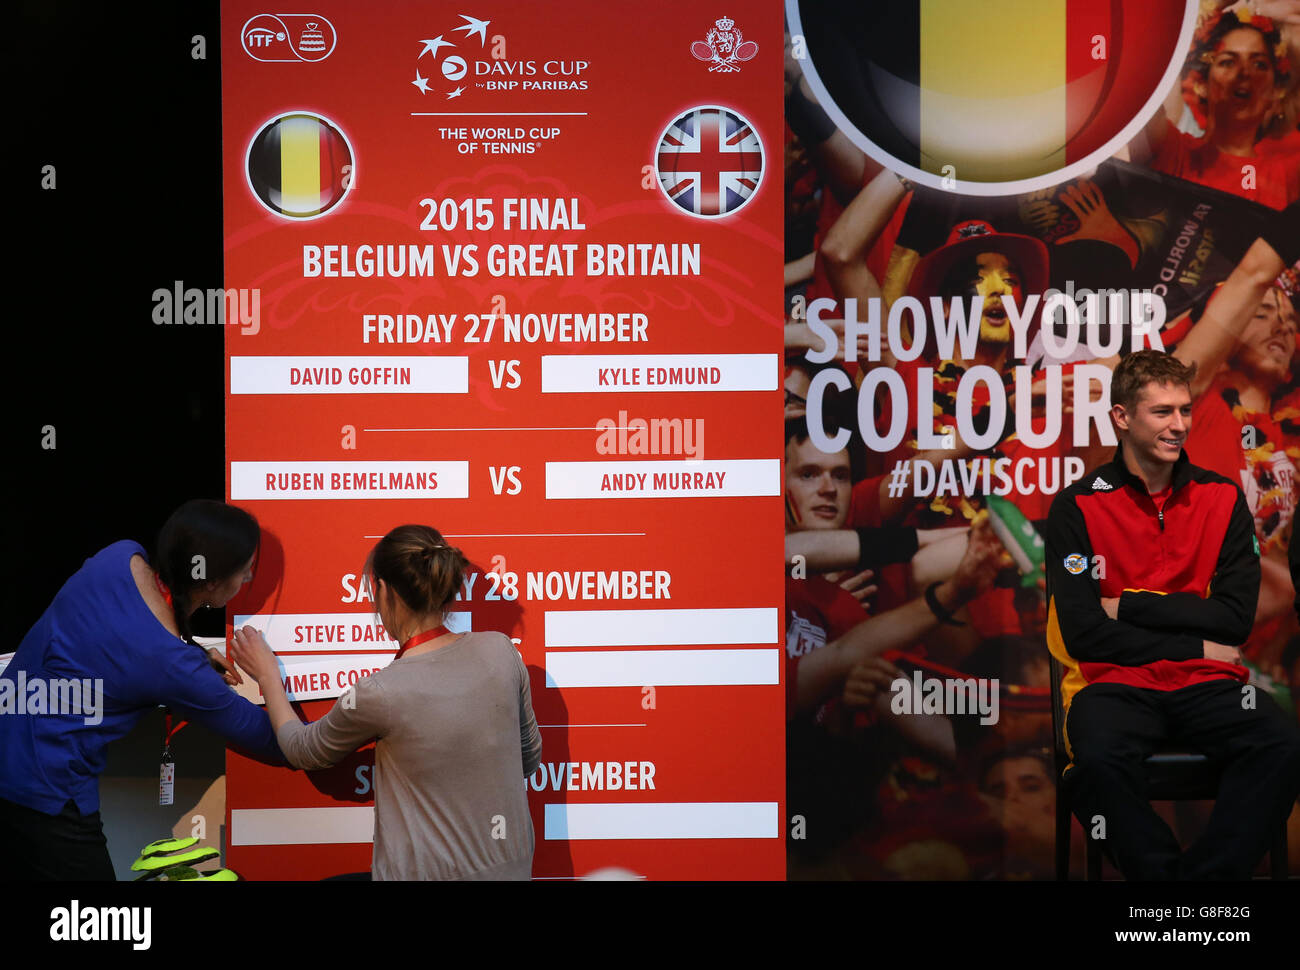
(1184, 573)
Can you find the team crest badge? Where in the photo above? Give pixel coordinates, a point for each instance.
(723, 47)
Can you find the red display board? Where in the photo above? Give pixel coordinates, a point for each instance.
(512, 275)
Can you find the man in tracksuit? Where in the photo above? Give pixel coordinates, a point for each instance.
(1153, 573)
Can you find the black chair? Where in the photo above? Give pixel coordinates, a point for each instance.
(1172, 775)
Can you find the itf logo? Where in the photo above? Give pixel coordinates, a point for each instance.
(709, 161)
(288, 37)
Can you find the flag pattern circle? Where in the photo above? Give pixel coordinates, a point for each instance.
(709, 161)
(995, 97)
(300, 165)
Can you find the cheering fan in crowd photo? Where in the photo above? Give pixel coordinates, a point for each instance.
(1235, 83)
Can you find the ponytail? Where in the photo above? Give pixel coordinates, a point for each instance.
(418, 565)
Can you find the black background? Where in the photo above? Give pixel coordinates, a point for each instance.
(112, 97)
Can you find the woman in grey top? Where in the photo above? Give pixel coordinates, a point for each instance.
(453, 717)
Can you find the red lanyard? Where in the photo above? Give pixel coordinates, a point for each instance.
(419, 638)
(170, 732)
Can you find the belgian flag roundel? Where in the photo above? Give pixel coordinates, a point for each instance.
(991, 97)
(300, 166)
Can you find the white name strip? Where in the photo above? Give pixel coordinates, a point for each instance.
(654, 820)
(662, 820)
(267, 480)
(620, 373)
(665, 668)
(659, 628)
(315, 677)
(349, 375)
(301, 826)
(312, 632)
(663, 479)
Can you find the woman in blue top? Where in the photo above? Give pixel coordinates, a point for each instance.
(114, 644)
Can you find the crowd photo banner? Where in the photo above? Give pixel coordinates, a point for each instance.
(511, 271)
(987, 204)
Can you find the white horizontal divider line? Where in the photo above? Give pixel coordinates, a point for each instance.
(565, 726)
(495, 114)
(527, 535)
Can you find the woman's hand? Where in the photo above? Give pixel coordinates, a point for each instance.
(249, 649)
(229, 673)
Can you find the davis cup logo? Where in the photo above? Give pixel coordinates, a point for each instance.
(300, 165)
(1075, 563)
(451, 66)
(709, 161)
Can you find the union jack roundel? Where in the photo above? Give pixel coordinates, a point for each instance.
(709, 161)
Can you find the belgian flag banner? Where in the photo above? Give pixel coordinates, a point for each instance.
(991, 92)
